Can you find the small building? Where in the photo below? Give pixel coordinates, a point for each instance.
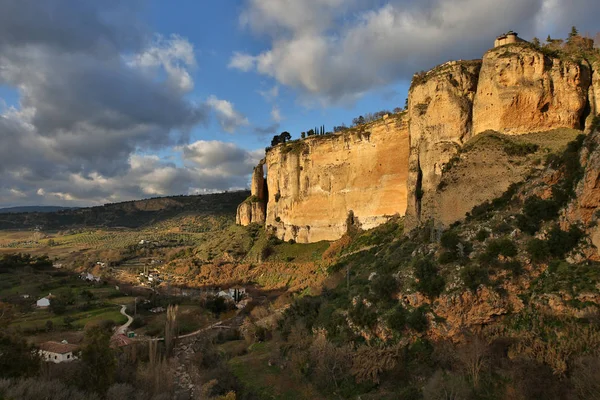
(507, 38)
(86, 276)
(44, 302)
(58, 352)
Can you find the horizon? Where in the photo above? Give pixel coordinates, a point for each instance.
(122, 101)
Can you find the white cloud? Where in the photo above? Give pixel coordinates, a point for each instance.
(271, 94)
(336, 50)
(175, 55)
(229, 119)
(276, 114)
(242, 61)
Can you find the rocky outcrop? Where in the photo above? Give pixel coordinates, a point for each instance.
(439, 108)
(594, 94)
(584, 208)
(315, 183)
(253, 209)
(521, 90)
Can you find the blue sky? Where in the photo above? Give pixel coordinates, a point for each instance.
(214, 29)
(126, 99)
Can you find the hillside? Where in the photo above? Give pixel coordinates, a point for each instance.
(38, 209)
(132, 214)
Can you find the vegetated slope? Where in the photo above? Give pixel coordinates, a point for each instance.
(487, 165)
(133, 214)
(502, 305)
(28, 209)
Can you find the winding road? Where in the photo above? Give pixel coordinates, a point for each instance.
(122, 330)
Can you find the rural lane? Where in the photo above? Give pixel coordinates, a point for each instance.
(122, 330)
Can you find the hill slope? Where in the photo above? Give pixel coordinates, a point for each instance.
(133, 214)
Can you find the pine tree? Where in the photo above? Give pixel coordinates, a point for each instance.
(574, 32)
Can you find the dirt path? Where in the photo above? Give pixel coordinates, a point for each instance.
(122, 330)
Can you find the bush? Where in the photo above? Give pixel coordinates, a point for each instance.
(447, 257)
(561, 242)
(450, 240)
(520, 149)
(417, 320)
(538, 250)
(384, 287)
(396, 321)
(482, 235)
(502, 247)
(473, 276)
(536, 211)
(362, 315)
(430, 283)
(514, 266)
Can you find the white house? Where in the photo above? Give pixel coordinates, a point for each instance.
(44, 302)
(58, 352)
(86, 276)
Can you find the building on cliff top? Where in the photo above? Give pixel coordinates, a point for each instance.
(507, 38)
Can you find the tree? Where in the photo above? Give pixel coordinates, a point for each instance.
(171, 327)
(275, 141)
(99, 362)
(284, 137)
(574, 32)
(17, 358)
(303, 135)
(536, 42)
(310, 132)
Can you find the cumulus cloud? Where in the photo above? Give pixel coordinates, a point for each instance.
(97, 89)
(336, 50)
(229, 119)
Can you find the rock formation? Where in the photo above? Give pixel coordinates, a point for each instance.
(517, 90)
(396, 165)
(521, 90)
(439, 108)
(253, 209)
(315, 183)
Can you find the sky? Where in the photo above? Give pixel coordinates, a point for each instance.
(115, 100)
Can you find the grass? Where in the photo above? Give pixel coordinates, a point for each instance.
(268, 381)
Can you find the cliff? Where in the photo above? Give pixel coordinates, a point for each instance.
(515, 90)
(439, 109)
(253, 209)
(399, 165)
(313, 184)
(522, 90)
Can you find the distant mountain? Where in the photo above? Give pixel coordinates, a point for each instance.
(131, 214)
(33, 209)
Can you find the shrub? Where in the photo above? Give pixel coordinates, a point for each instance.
(447, 257)
(520, 149)
(535, 211)
(362, 315)
(384, 287)
(450, 240)
(430, 283)
(482, 235)
(538, 250)
(473, 276)
(514, 266)
(397, 319)
(561, 242)
(417, 320)
(502, 247)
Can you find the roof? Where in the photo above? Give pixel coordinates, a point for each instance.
(120, 340)
(58, 348)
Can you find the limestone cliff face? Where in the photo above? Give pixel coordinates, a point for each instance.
(253, 210)
(314, 183)
(521, 90)
(584, 208)
(439, 109)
